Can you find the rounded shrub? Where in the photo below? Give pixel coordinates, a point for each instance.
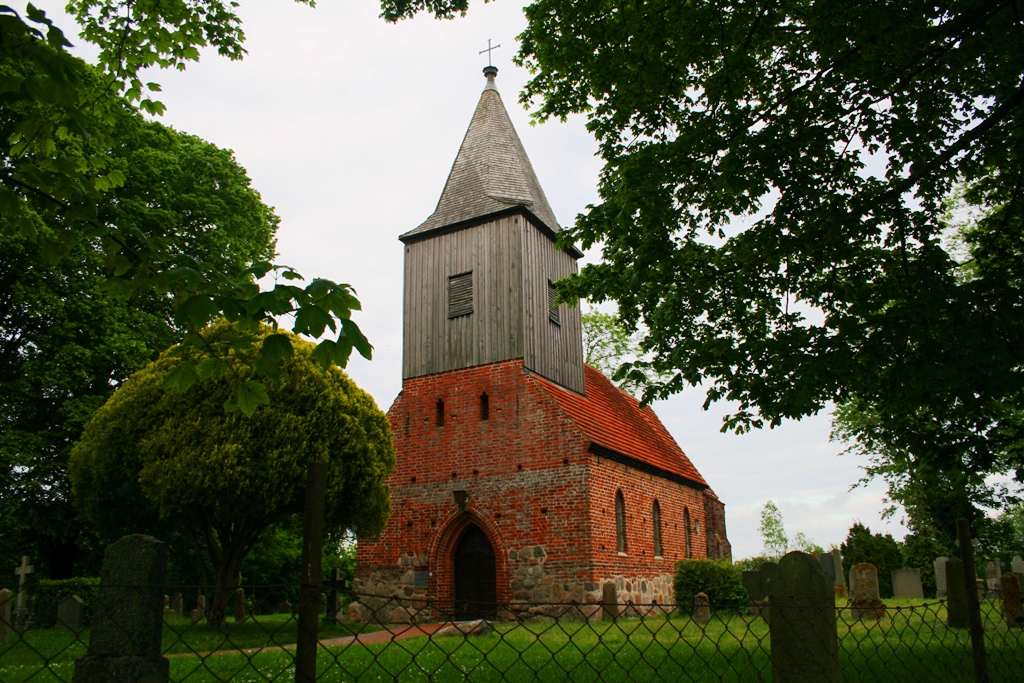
(720, 580)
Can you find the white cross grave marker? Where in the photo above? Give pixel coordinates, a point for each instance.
(22, 571)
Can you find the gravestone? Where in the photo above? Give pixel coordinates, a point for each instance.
(957, 615)
(752, 582)
(982, 589)
(323, 603)
(22, 615)
(837, 562)
(177, 604)
(1012, 608)
(69, 613)
(701, 608)
(940, 576)
(906, 583)
(1017, 565)
(199, 613)
(284, 607)
(124, 645)
(802, 622)
(769, 570)
(864, 599)
(828, 566)
(6, 605)
(239, 604)
(609, 600)
(994, 570)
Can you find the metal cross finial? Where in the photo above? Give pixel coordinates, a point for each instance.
(488, 51)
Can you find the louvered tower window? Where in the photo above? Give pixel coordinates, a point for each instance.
(460, 294)
(554, 310)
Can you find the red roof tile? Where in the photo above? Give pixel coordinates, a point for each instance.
(613, 419)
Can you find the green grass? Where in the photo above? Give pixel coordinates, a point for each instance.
(911, 644)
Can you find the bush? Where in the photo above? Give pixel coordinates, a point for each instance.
(720, 580)
(47, 594)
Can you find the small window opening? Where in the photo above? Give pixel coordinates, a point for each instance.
(656, 523)
(440, 413)
(686, 534)
(554, 310)
(485, 407)
(620, 521)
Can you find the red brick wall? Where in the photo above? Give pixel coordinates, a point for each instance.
(545, 501)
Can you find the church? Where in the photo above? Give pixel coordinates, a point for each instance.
(523, 476)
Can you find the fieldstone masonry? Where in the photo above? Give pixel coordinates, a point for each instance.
(906, 583)
(124, 645)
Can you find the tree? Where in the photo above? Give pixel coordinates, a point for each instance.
(772, 200)
(56, 170)
(155, 458)
(773, 531)
(66, 341)
(615, 351)
(883, 552)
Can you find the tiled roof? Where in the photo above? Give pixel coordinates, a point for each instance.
(491, 172)
(614, 420)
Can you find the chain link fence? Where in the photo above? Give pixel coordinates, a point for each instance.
(256, 639)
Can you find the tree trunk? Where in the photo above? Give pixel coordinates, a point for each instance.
(226, 582)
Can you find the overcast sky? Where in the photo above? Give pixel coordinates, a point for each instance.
(348, 126)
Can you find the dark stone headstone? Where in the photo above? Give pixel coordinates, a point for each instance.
(768, 572)
(956, 595)
(177, 604)
(802, 622)
(865, 602)
(752, 582)
(69, 613)
(828, 566)
(124, 646)
(6, 605)
(837, 562)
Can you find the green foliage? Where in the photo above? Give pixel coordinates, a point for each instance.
(66, 341)
(47, 594)
(61, 120)
(611, 348)
(154, 458)
(882, 551)
(720, 580)
(773, 531)
(772, 205)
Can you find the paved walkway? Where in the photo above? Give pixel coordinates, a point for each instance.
(371, 638)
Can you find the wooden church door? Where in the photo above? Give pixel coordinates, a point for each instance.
(476, 594)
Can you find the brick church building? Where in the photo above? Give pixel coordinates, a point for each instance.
(522, 475)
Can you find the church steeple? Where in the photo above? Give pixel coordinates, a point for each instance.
(479, 272)
(491, 173)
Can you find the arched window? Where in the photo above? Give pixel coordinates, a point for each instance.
(620, 521)
(656, 522)
(485, 407)
(440, 413)
(686, 533)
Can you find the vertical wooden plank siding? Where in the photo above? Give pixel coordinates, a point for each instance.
(493, 332)
(551, 350)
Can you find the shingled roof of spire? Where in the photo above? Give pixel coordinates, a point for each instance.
(491, 172)
(612, 419)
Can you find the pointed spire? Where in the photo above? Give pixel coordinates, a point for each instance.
(491, 173)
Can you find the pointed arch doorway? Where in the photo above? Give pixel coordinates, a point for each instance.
(476, 595)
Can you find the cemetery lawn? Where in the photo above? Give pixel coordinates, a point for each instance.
(911, 643)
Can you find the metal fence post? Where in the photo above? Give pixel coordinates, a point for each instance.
(963, 532)
(309, 588)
